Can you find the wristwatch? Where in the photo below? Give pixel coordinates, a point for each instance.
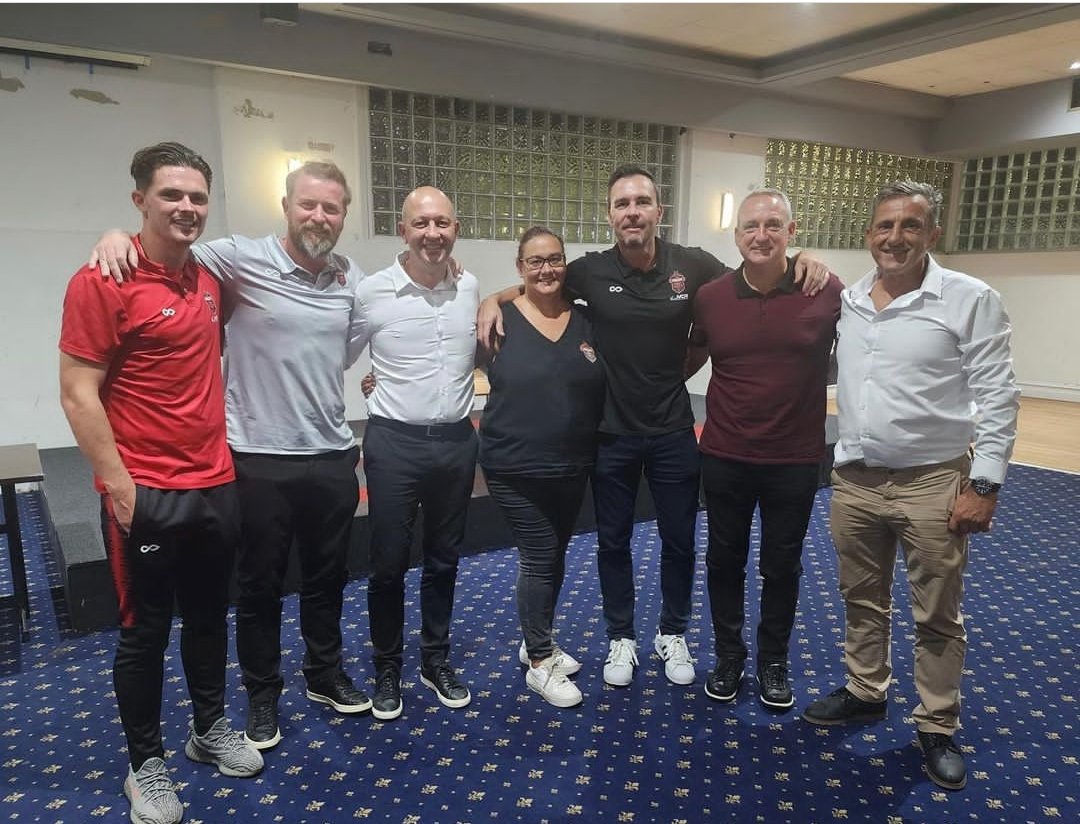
(984, 487)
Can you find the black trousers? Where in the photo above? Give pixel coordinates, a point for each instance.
(542, 513)
(784, 494)
(313, 499)
(408, 467)
(180, 549)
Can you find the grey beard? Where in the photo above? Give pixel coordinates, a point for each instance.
(314, 246)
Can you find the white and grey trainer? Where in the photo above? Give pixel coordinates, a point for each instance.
(152, 795)
(549, 681)
(226, 749)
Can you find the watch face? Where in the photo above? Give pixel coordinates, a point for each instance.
(984, 486)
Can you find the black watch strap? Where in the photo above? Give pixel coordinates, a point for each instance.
(984, 486)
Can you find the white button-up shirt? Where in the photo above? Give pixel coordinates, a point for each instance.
(423, 344)
(927, 375)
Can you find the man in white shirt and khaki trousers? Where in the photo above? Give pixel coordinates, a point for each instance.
(918, 345)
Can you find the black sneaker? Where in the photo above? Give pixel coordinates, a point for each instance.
(722, 684)
(944, 761)
(340, 694)
(841, 707)
(451, 692)
(386, 706)
(774, 686)
(262, 724)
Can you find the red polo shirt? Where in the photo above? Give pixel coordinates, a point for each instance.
(159, 334)
(770, 358)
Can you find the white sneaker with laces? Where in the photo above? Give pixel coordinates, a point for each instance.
(569, 666)
(678, 665)
(621, 660)
(549, 681)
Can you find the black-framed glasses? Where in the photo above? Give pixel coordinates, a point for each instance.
(536, 262)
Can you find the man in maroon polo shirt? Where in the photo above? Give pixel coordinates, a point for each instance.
(140, 383)
(763, 439)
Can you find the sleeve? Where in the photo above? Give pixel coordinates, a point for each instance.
(95, 318)
(574, 285)
(218, 257)
(714, 267)
(359, 334)
(986, 358)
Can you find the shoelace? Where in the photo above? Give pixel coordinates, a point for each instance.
(623, 653)
(263, 714)
(445, 678)
(775, 677)
(155, 785)
(387, 681)
(678, 651)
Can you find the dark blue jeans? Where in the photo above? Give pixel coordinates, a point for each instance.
(784, 494)
(542, 513)
(671, 464)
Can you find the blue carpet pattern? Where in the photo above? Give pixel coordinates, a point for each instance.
(652, 752)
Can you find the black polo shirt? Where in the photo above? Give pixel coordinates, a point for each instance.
(640, 324)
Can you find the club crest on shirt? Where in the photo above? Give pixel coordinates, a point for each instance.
(211, 304)
(588, 352)
(677, 280)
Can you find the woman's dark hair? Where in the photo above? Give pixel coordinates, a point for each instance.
(537, 231)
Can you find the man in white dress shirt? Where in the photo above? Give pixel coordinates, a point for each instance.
(919, 346)
(420, 445)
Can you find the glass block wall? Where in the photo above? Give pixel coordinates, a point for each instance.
(510, 167)
(831, 187)
(1021, 200)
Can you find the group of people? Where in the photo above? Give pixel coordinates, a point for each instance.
(587, 361)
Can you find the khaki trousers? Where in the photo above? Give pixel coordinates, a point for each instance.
(873, 509)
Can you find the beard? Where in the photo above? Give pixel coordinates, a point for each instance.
(314, 243)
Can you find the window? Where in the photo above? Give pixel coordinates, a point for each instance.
(509, 167)
(1020, 200)
(831, 187)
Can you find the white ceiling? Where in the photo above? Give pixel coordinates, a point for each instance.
(939, 49)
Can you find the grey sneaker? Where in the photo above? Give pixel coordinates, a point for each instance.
(225, 749)
(152, 796)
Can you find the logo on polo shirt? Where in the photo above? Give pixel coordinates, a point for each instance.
(212, 306)
(678, 286)
(168, 311)
(614, 288)
(588, 352)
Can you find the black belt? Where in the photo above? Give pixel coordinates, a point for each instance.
(434, 431)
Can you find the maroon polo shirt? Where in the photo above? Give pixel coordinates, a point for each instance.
(770, 361)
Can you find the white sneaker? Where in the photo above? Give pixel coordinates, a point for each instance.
(678, 665)
(621, 660)
(549, 681)
(569, 666)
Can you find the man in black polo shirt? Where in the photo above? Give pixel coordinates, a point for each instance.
(640, 294)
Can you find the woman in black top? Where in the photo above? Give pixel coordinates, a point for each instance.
(537, 445)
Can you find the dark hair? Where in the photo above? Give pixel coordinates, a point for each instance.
(150, 159)
(911, 188)
(320, 170)
(631, 170)
(537, 231)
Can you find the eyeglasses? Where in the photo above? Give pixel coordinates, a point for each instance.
(536, 263)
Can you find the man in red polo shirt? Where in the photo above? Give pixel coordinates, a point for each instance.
(763, 439)
(140, 383)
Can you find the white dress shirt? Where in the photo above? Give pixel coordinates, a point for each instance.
(927, 375)
(423, 344)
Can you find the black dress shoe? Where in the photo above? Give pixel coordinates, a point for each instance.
(774, 686)
(340, 694)
(841, 707)
(386, 705)
(944, 761)
(722, 684)
(451, 692)
(262, 724)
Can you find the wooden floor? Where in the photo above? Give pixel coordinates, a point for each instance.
(1048, 434)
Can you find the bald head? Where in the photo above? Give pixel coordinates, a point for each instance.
(429, 227)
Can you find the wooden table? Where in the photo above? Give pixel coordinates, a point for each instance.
(18, 464)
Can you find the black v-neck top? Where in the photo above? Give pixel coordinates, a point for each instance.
(546, 400)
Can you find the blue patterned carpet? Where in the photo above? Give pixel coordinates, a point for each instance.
(649, 753)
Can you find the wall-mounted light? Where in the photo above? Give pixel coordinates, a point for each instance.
(1074, 65)
(727, 211)
(294, 163)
